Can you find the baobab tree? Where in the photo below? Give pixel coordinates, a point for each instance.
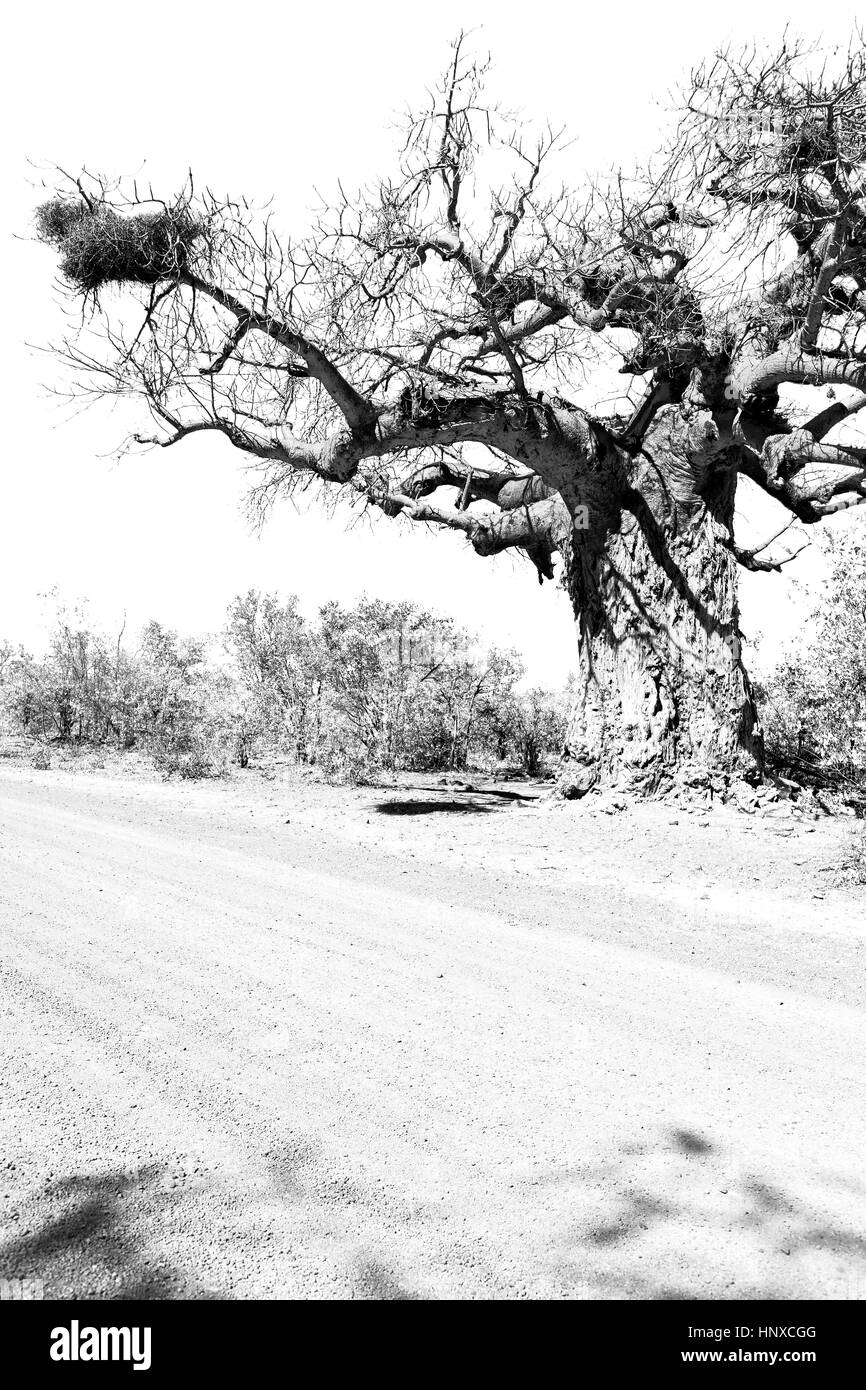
(427, 348)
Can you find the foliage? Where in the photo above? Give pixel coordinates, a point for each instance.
(376, 686)
(531, 726)
(278, 666)
(92, 690)
(364, 689)
(815, 701)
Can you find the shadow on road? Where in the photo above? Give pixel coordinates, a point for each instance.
(89, 1251)
(684, 1205)
(465, 799)
(675, 1216)
(427, 808)
(375, 1281)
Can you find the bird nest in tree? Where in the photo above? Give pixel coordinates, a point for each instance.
(100, 247)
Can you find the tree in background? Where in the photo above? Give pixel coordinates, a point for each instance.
(91, 689)
(471, 694)
(532, 728)
(424, 349)
(402, 687)
(377, 658)
(378, 686)
(180, 703)
(279, 664)
(77, 692)
(816, 698)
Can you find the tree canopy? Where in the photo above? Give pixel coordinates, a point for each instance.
(439, 307)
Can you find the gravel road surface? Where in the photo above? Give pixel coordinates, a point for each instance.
(259, 1048)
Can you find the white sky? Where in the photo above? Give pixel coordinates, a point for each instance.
(266, 99)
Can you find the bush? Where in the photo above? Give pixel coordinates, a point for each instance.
(813, 706)
(348, 767)
(361, 691)
(193, 766)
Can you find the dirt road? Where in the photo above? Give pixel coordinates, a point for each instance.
(290, 1042)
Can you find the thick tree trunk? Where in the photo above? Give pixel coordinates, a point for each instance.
(662, 698)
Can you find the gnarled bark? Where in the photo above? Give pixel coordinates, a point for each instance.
(662, 696)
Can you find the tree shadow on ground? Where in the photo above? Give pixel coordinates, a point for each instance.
(90, 1249)
(427, 808)
(497, 793)
(689, 1143)
(466, 799)
(373, 1280)
(298, 1178)
(686, 1205)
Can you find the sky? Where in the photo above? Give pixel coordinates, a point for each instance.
(272, 100)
